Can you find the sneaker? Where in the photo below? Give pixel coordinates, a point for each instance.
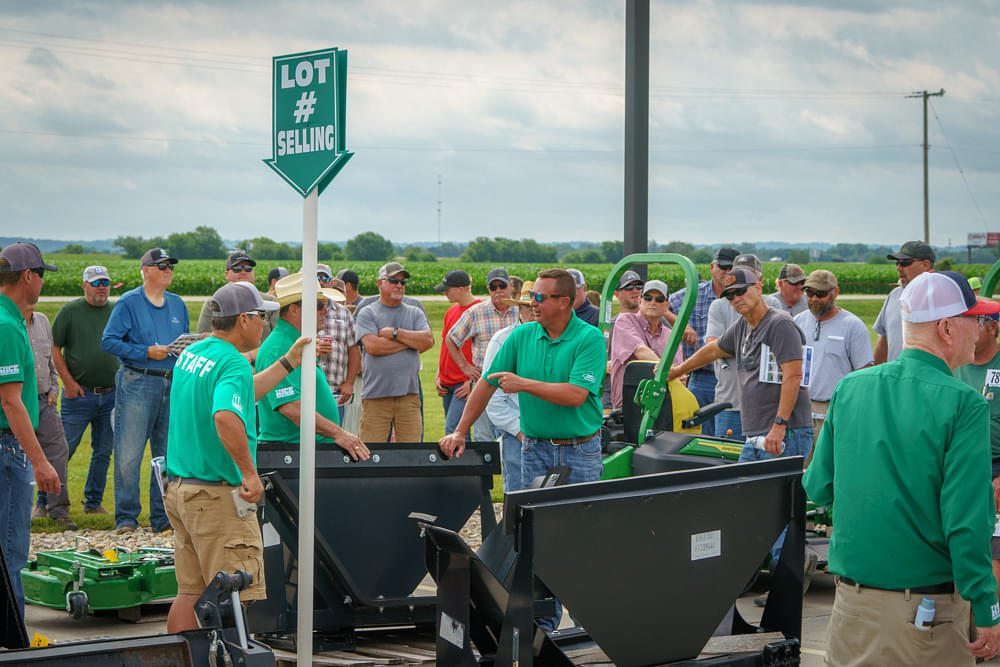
(95, 510)
(125, 528)
(39, 512)
(65, 522)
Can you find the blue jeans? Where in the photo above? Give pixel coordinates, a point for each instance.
(798, 442)
(142, 410)
(510, 455)
(729, 420)
(702, 385)
(16, 493)
(482, 429)
(95, 411)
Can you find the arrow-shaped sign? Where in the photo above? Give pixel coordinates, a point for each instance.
(310, 104)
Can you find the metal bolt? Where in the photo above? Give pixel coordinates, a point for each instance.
(376, 458)
(433, 458)
(288, 459)
(347, 459)
(487, 457)
(347, 599)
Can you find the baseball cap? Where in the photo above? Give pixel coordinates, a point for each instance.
(913, 250)
(348, 276)
(525, 299)
(629, 277)
(23, 256)
(821, 279)
(325, 270)
(456, 278)
(933, 296)
(239, 256)
(724, 257)
(289, 290)
(391, 269)
(277, 273)
(657, 285)
(975, 282)
(577, 277)
(792, 273)
(498, 273)
(95, 272)
(236, 298)
(738, 278)
(156, 256)
(748, 261)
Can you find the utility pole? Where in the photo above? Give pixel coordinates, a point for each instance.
(927, 223)
(637, 128)
(439, 210)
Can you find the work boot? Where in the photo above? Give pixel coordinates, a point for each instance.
(66, 522)
(125, 528)
(95, 510)
(39, 512)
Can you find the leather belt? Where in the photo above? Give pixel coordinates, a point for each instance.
(97, 390)
(573, 441)
(157, 372)
(6, 431)
(939, 589)
(199, 482)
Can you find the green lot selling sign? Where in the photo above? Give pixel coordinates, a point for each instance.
(310, 102)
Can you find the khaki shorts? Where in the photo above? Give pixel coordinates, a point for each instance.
(400, 414)
(210, 537)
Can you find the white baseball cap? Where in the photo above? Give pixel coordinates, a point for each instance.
(936, 295)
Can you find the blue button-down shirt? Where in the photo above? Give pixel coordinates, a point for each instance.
(136, 324)
(699, 316)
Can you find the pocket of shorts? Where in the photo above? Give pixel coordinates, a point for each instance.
(198, 499)
(246, 557)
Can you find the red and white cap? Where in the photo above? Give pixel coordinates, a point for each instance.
(933, 296)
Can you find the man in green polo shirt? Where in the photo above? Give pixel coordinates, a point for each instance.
(902, 459)
(556, 365)
(280, 408)
(22, 274)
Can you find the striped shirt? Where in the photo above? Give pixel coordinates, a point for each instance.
(479, 324)
(339, 325)
(699, 316)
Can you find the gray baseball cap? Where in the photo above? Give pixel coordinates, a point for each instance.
(391, 270)
(95, 272)
(237, 298)
(748, 261)
(498, 273)
(657, 285)
(23, 256)
(629, 277)
(578, 278)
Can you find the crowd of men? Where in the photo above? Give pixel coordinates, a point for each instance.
(900, 449)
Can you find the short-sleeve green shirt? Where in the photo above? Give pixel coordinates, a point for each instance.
(77, 329)
(17, 363)
(986, 378)
(577, 357)
(275, 426)
(210, 376)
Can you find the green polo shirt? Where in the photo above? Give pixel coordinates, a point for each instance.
(985, 378)
(904, 461)
(17, 363)
(275, 426)
(209, 376)
(577, 357)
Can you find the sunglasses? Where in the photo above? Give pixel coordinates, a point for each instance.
(493, 287)
(165, 266)
(538, 297)
(732, 294)
(323, 278)
(242, 268)
(255, 313)
(650, 297)
(100, 282)
(38, 272)
(397, 281)
(631, 287)
(904, 262)
(818, 293)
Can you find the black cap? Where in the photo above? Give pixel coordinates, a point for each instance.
(237, 257)
(23, 256)
(456, 278)
(724, 257)
(498, 273)
(738, 278)
(157, 256)
(913, 250)
(277, 273)
(349, 277)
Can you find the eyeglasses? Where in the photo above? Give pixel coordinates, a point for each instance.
(495, 286)
(980, 319)
(650, 297)
(538, 297)
(631, 287)
(904, 262)
(818, 293)
(732, 294)
(397, 281)
(38, 272)
(241, 268)
(100, 282)
(165, 266)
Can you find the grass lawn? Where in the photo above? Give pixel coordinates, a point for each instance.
(866, 309)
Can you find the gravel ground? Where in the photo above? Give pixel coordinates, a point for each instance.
(144, 537)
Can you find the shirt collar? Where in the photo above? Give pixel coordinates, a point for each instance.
(571, 330)
(926, 358)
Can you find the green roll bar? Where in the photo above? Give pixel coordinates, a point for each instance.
(990, 281)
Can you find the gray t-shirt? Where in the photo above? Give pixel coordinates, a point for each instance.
(721, 316)
(775, 301)
(890, 324)
(759, 400)
(840, 345)
(393, 374)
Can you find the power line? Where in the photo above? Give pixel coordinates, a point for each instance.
(959, 166)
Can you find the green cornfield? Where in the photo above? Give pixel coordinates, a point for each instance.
(203, 277)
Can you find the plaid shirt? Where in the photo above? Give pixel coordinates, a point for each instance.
(339, 325)
(699, 316)
(480, 323)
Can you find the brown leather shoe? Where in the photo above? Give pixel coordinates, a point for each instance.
(95, 510)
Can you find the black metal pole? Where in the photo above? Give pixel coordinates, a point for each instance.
(637, 128)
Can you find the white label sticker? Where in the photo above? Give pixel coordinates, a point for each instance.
(993, 377)
(706, 545)
(452, 631)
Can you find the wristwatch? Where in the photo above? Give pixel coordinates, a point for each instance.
(395, 332)
(780, 420)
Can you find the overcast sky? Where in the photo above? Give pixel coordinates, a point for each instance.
(768, 121)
